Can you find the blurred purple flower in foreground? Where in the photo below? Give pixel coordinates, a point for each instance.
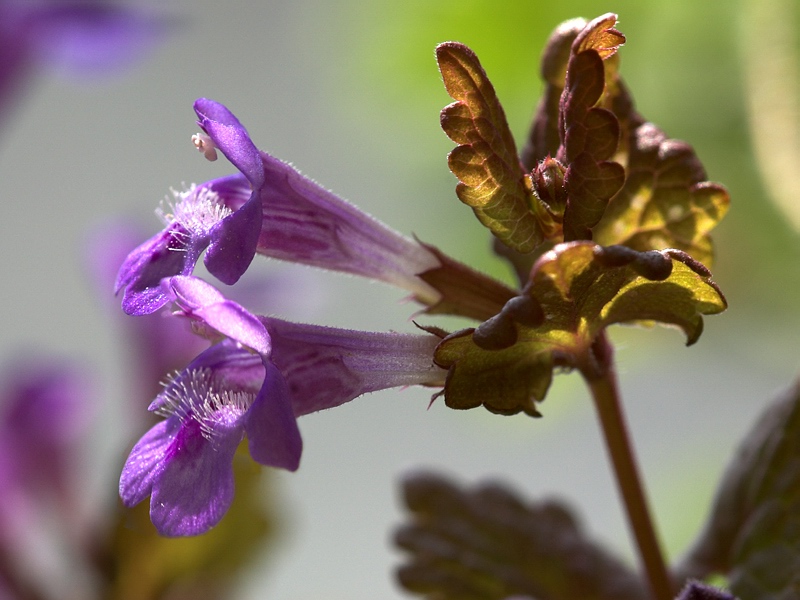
(81, 36)
(255, 382)
(271, 209)
(44, 416)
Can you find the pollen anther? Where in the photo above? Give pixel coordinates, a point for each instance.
(205, 144)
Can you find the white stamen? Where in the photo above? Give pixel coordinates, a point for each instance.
(194, 396)
(196, 209)
(205, 145)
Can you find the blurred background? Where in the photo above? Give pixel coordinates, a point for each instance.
(350, 94)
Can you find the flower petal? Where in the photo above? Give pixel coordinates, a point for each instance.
(234, 241)
(203, 301)
(163, 255)
(306, 223)
(195, 488)
(274, 438)
(145, 462)
(230, 136)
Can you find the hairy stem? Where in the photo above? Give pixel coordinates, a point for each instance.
(601, 379)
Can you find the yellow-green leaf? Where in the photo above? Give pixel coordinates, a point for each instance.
(491, 179)
(575, 291)
(666, 201)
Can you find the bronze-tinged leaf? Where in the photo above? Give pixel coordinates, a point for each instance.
(544, 138)
(599, 35)
(486, 543)
(589, 185)
(575, 291)
(752, 536)
(492, 181)
(666, 201)
(589, 133)
(145, 566)
(584, 87)
(570, 39)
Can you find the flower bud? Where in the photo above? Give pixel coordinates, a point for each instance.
(548, 182)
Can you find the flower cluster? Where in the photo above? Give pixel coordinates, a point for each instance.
(605, 219)
(260, 373)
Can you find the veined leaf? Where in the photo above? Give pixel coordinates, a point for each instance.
(666, 201)
(491, 179)
(487, 544)
(753, 534)
(570, 38)
(576, 290)
(599, 35)
(589, 133)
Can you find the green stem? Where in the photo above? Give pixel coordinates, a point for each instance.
(602, 382)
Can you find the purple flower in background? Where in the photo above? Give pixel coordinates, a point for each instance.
(154, 345)
(254, 382)
(44, 409)
(81, 36)
(271, 209)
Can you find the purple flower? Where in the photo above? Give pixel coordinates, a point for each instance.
(254, 382)
(43, 416)
(80, 36)
(154, 345)
(271, 209)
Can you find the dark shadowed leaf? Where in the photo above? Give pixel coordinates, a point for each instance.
(696, 590)
(666, 201)
(505, 381)
(590, 185)
(491, 179)
(753, 533)
(576, 289)
(487, 544)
